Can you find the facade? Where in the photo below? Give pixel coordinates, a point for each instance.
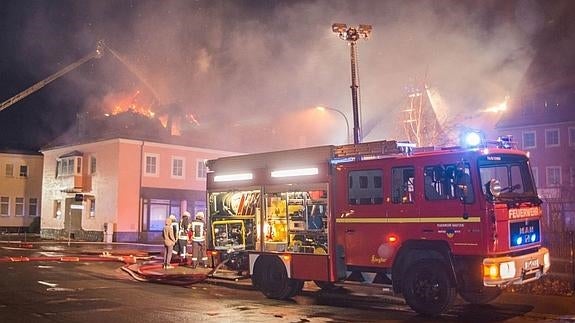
(120, 189)
(20, 190)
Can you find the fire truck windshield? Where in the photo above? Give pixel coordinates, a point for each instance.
(511, 171)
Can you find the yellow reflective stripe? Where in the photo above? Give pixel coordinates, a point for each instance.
(474, 219)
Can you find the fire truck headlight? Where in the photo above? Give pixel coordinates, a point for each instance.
(491, 271)
(472, 139)
(507, 270)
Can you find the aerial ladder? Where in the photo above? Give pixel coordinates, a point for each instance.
(95, 54)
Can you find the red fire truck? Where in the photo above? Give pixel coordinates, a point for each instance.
(432, 223)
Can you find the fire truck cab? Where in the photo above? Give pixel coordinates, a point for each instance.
(432, 223)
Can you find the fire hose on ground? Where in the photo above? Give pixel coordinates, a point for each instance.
(143, 273)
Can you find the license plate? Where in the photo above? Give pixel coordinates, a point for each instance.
(531, 264)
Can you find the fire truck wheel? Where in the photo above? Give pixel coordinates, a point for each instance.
(273, 281)
(427, 287)
(486, 295)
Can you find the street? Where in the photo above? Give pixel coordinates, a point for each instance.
(93, 291)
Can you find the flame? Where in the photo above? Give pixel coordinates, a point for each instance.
(498, 107)
(131, 104)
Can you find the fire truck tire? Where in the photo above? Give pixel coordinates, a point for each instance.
(486, 295)
(427, 287)
(273, 281)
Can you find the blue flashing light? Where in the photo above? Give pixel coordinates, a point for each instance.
(472, 139)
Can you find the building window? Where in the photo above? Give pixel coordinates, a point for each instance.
(4, 205)
(23, 171)
(402, 185)
(553, 176)
(19, 211)
(535, 172)
(57, 208)
(365, 187)
(152, 165)
(202, 169)
(177, 167)
(33, 207)
(572, 171)
(157, 210)
(92, 165)
(92, 207)
(551, 137)
(571, 131)
(529, 139)
(9, 170)
(65, 166)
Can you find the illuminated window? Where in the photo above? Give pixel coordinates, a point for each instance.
(551, 137)
(19, 210)
(529, 139)
(4, 205)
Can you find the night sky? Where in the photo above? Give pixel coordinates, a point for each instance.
(260, 63)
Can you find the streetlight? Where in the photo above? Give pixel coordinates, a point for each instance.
(341, 113)
(352, 35)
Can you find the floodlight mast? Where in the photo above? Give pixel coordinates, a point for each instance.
(352, 35)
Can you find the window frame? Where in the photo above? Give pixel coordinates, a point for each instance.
(534, 139)
(182, 166)
(19, 206)
(35, 206)
(408, 189)
(571, 136)
(201, 170)
(93, 165)
(367, 190)
(6, 204)
(156, 172)
(535, 173)
(552, 130)
(11, 167)
(547, 170)
(23, 171)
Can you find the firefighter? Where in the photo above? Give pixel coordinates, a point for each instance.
(199, 240)
(175, 228)
(183, 235)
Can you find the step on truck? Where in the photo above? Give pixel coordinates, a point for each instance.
(430, 222)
